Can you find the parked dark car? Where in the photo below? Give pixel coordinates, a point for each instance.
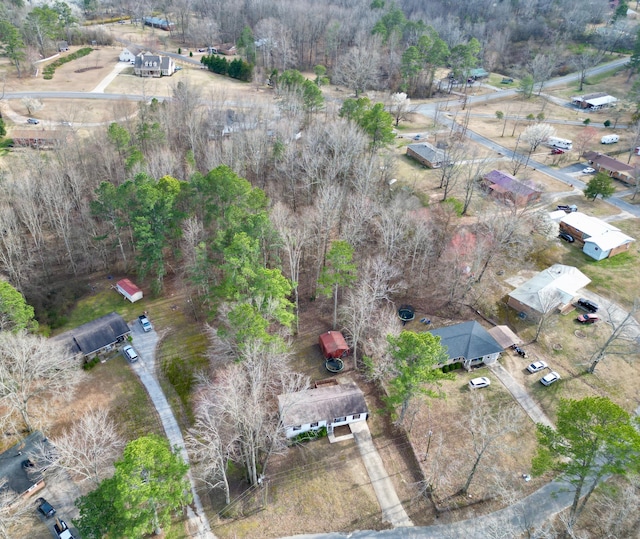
(45, 507)
(588, 305)
(506, 80)
(566, 237)
(588, 318)
(568, 208)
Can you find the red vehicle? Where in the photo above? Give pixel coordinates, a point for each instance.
(557, 151)
(587, 318)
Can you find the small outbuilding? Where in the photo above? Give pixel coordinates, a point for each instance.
(326, 406)
(129, 290)
(333, 345)
(595, 101)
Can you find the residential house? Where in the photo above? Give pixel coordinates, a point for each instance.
(468, 343)
(92, 338)
(325, 406)
(157, 22)
(425, 153)
(551, 289)
(595, 101)
(41, 139)
(21, 480)
(505, 187)
(128, 54)
(600, 239)
(616, 169)
(228, 49)
(148, 64)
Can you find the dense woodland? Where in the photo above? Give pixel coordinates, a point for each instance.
(297, 206)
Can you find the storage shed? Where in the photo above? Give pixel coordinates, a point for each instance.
(333, 345)
(129, 290)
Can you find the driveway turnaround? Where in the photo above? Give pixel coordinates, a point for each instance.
(392, 510)
(145, 344)
(521, 395)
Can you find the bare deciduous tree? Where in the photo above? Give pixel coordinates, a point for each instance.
(13, 509)
(209, 446)
(243, 397)
(487, 427)
(294, 236)
(34, 371)
(399, 106)
(359, 69)
(90, 447)
(624, 338)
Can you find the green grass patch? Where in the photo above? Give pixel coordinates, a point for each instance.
(133, 410)
(100, 303)
(181, 356)
(50, 69)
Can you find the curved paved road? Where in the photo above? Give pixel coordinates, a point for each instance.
(145, 344)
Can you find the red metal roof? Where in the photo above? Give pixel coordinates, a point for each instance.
(332, 344)
(128, 286)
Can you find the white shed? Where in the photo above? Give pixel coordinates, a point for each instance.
(129, 290)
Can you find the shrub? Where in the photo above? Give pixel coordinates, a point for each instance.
(309, 435)
(179, 50)
(90, 364)
(607, 123)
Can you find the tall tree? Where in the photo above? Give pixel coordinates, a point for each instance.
(358, 69)
(14, 47)
(15, 313)
(339, 271)
(593, 438)
(416, 358)
(600, 184)
(148, 487)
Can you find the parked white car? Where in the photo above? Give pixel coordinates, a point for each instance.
(130, 353)
(537, 366)
(550, 378)
(477, 383)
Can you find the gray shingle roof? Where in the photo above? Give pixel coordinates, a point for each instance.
(468, 340)
(95, 335)
(428, 152)
(321, 404)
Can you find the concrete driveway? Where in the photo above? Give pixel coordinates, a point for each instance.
(145, 344)
(392, 510)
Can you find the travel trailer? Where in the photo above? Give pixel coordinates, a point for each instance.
(609, 139)
(563, 143)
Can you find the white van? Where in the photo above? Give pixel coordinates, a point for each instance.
(609, 139)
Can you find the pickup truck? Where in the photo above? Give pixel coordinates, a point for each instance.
(62, 530)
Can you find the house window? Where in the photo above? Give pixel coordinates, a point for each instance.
(339, 419)
(313, 425)
(297, 427)
(355, 416)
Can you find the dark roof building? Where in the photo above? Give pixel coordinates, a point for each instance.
(148, 64)
(21, 480)
(504, 186)
(96, 336)
(41, 139)
(614, 168)
(425, 153)
(468, 343)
